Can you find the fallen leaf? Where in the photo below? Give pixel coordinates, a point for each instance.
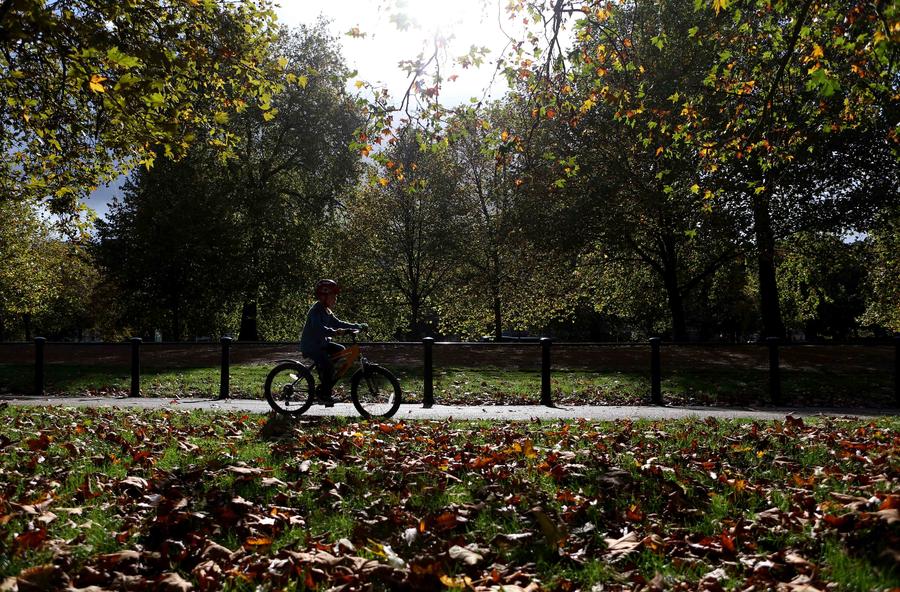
(134, 482)
(250, 471)
(623, 545)
(552, 533)
(41, 578)
(464, 555)
(172, 582)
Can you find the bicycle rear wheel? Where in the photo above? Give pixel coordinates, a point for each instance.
(290, 388)
(375, 392)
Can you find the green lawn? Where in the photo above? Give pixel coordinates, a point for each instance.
(490, 386)
(97, 497)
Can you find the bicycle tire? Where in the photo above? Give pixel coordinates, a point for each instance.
(290, 388)
(375, 392)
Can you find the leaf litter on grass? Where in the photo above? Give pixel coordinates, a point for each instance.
(204, 502)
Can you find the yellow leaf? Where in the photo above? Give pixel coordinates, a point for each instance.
(719, 5)
(529, 450)
(760, 189)
(282, 62)
(817, 51)
(95, 83)
(221, 117)
(269, 115)
(304, 80)
(383, 181)
(359, 84)
(659, 150)
(695, 188)
(456, 583)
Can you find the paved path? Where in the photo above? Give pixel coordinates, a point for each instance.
(407, 412)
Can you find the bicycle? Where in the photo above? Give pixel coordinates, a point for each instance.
(375, 392)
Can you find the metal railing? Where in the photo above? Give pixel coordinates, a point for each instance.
(654, 363)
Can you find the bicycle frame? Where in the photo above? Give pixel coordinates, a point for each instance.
(374, 390)
(343, 361)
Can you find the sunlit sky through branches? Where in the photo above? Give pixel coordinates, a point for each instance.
(385, 32)
(376, 35)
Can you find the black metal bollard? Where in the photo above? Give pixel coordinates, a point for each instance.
(546, 394)
(428, 374)
(39, 365)
(135, 367)
(224, 374)
(774, 371)
(655, 371)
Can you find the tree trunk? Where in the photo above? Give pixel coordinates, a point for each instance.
(176, 322)
(249, 330)
(26, 319)
(415, 310)
(769, 307)
(497, 303)
(498, 317)
(676, 305)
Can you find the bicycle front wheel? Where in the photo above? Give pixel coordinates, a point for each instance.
(290, 388)
(375, 392)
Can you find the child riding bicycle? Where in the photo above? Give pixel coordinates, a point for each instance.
(321, 325)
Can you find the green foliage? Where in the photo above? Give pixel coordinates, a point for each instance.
(91, 89)
(822, 284)
(767, 112)
(401, 232)
(46, 283)
(202, 247)
(883, 303)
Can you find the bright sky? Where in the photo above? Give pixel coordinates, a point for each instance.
(464, 22)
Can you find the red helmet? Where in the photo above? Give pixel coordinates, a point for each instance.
(326, 287)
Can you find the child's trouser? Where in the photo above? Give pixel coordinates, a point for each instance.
(322, 358)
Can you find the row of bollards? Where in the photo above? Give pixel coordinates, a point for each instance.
(772, 344)
(135, 391)
(655, 372)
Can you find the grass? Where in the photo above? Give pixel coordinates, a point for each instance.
(551, 502)
(490, 386)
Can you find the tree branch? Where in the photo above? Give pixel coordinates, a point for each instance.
(795, 34)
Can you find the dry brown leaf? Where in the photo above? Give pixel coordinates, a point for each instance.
(41, 578)
(134, 482)
(624, 545)
(172, 582)
(216, 552)
(464, 555)
(248, 471)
